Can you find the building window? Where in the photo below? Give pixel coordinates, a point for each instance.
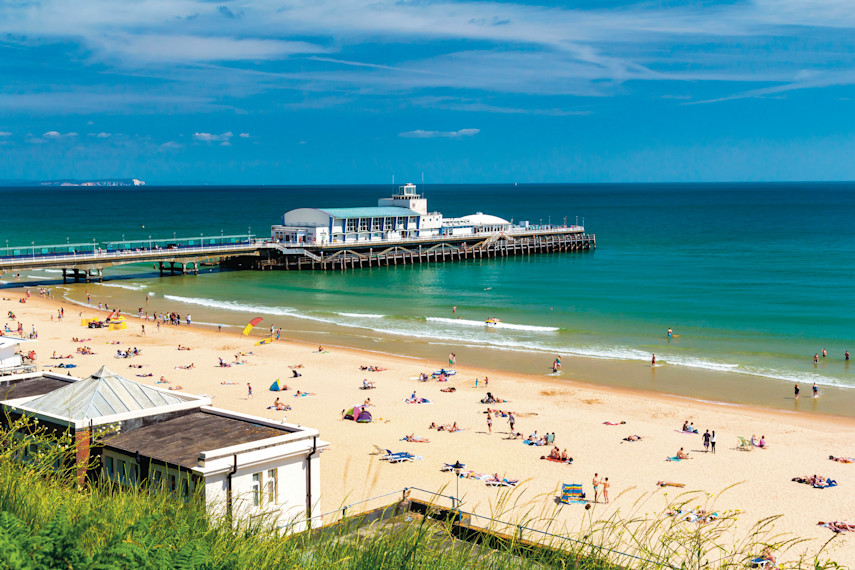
(272, 487)
(156, 480)
(109, 471)
(399, 223)
(363, 224)
(256, 489)
(376, 224)
(351, 226)
(185, 489)
(172, 484)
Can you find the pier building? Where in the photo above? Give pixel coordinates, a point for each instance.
(400, 217)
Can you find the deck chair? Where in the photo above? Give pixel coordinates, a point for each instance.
(572, 494)
(397, 457)
(744, 444)
(377, 450)
(492, 482)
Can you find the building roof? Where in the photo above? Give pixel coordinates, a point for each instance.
(369, 212)
(480, 219)
(28, 387)
(7, 341)
(105, 393)
(179, 441)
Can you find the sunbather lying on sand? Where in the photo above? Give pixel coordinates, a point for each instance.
(669, 484)
(175, 388)
(817, 481)
(412, 438)
(449, 389)
(842, 459)
(838, 526)
(186, 367)
(372, 368)
(180, 347)
(613, 423)
(632, 438)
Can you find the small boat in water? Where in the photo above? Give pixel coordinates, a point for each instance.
(492, 321)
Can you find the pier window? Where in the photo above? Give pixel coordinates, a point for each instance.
(387, 224)
(376, 224)
(363, 224)
(399, 223)
(351, 226)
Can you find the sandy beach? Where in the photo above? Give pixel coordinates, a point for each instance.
(757, 483)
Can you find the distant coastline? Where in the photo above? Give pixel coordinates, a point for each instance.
(74, 182)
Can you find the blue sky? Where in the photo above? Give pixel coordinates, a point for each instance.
(349, 91)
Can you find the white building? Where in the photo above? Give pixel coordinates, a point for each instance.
(403, 216)
(241, 465)
(11, 359)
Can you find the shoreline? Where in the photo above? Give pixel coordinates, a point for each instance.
(726, 387)
(758, 483)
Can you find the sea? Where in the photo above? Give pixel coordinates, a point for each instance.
(753, 279)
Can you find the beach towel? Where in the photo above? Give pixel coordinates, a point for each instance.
(675, 458)
(613, 423)
(554, 460)
(572, 494)
(693, 516)
(304, 394)
(417, 401)
(493, 482)
(689, 432)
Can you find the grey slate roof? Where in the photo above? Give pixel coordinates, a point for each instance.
(105, 393)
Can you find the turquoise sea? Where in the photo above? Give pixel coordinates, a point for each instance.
(754, 278)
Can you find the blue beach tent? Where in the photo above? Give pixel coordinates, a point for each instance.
(276, 386)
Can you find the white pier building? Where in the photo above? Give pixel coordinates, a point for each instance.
(403, 216)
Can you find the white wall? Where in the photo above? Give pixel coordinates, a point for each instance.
(8, 358)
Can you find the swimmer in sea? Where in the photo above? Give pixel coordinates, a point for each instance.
(670, 333)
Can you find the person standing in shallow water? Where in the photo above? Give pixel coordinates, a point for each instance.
(796, 391)
(653, 360)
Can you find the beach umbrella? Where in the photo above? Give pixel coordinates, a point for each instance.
(276, 386)
(251, 324)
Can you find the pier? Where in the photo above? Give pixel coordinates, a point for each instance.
(416, 251)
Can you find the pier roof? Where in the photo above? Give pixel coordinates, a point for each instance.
(369, 212)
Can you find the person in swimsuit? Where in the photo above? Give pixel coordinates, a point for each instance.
(846, 356)
(815, 390)
(606, 485)
(653, 360)
(596, 484)
(796, 390)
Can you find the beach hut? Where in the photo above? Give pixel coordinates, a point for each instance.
(276, 386)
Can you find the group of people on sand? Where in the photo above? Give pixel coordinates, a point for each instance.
(445, 427)
(84, 350)
(372, 368)
(128, 353)
(761, 443)
(545, 439)
(557, 455)
(605, 483)
(280, 406)
(813, 480)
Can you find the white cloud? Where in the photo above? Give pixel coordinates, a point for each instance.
(209, 137)
(5, 134)
(104, 135)
(420, 134)
(56, 135)
(170, 145)
(244, 135)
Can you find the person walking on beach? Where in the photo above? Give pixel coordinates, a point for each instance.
(707, 441)
(796, 390)
(248, 390)
(489, 422)
(142, 331)
(606, 485)
(653, 360)
(596, 484)
(712, 441)
(512, 420)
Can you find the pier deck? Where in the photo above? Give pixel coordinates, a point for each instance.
(266, 254)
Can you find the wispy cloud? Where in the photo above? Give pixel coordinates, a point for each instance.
(5, 134)
(420, 134)
(210, 137)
